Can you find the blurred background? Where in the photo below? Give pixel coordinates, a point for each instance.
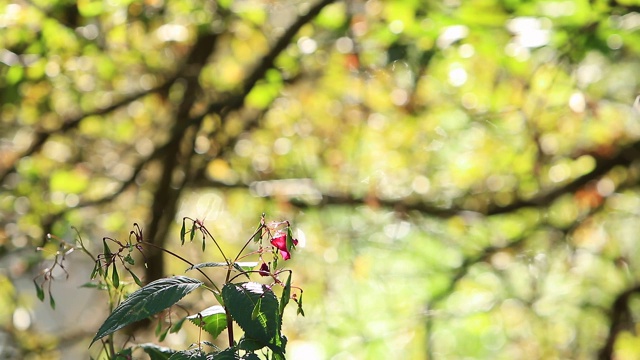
(463, 176)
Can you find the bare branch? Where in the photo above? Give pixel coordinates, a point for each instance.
(619, 318)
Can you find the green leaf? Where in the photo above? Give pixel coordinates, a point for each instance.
(39, 290)
(243, 269)
(300, 310)
(290, 244)
(90, 285)
(218, 297)
(149, 300)
(115, 278)
(249, 344)
(106, 250)
(183, 231)
(240, 266)
(214, 320)
(177, 326)
(96, 270)
(256, 311)
(52, 301)
(227, 354)
(241, 300)
(156, 352)
(245, 265)
(124, 354)
(129, 259)
(192, 234)
(250, 356)
(158, 327)
(286, 294)
(258, 234)
(194, 354)
(164, 333)
(206, 265)
(135, 278)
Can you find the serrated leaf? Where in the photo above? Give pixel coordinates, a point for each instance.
(206, 265)
(156, 352)
(286, 294)
(214, 319)
(239, 298)
(227, 354)
(247, 344)
(240, 266)
(194, 354)
(149, 300)
(39, 290)
(115, 278)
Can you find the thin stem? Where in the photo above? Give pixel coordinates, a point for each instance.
(82, 247)
(248, 241)
(215, 242)
(229, 326)
(183, 259)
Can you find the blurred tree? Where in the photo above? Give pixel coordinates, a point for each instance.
(472, 163)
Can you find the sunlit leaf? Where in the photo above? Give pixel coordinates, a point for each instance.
(147, 301)
(157, 352)
(214, 320)
(260, 325)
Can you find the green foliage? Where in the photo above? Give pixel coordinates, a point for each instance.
(262, 323)
(147, 301)
(252, 306)
(465, 171)
(156, 352)
(212, 320)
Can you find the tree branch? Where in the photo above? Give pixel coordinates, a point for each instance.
(619, 318)
(41, 137)
(231, 101)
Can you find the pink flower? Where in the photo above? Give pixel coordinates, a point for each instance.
(264, 270)
(280, 242)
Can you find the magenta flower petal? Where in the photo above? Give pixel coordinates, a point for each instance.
(280, 242)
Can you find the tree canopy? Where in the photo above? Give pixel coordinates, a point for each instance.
(463, 175)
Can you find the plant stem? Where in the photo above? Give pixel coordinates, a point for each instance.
(248, 241)
(183, 259)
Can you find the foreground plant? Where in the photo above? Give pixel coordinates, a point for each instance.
(253, 306)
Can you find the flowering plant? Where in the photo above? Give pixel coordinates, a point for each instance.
(253, 306)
